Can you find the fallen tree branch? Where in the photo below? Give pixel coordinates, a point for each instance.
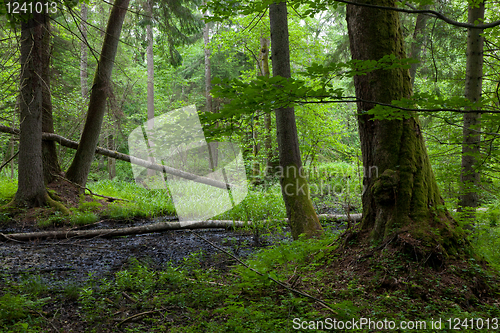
(127, 158)
(270, 278)
(110, 199)
(138, 316)
(340, 217)
(105, 233)
(10, 159)
(145, 229)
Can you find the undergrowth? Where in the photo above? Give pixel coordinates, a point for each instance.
(388, 286)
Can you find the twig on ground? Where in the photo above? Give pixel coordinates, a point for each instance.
(111, 199)
(272, 279)
(128, 297)
(49, 321)
(209, 282)
(11, 239)
(137, 315)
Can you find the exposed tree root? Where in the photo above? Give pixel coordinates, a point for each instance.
(57, 205)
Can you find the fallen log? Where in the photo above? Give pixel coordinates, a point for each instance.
(339, 217)
(150, 228)
(127, 158)
(108, 233)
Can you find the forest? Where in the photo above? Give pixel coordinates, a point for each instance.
(249, 166)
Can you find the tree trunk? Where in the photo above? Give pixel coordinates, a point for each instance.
(12, 152)
(470, 177)
(31, 189)
(51, 166)
(80, 167)
(213, 147)
(300, 211)
(208, 71)
(400, 191)
(418, 42)
(83, 53)
(126, 158)
(111, 160)
(268, 139)
(148, 6)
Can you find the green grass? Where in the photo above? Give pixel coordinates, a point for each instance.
(187, 298)
(140, 201)
(8, 188)
(258, 205)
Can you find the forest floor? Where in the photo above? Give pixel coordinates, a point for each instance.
(183, 281)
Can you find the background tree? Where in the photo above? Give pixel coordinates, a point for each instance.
(470, 176)
(80, 167)
(51, 167)
(300, 211)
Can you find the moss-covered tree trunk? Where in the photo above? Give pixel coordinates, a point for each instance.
(300, 211)
(400, 191)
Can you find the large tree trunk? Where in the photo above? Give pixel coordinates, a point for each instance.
(400, 192)
(51, 166)
(31, 189)
(300, 211)
(469, 177)
(80, 167)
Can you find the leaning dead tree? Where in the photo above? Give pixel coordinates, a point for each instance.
(127, 158)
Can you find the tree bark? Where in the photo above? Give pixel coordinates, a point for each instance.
(111, 160)
(51, 167)
(418, 42)
(12, 152)
(83, 53)
(208, 69)
(470, 176)
(268, 139)
(300, 211)
(31, 188)
(400, 191)
(80, 167)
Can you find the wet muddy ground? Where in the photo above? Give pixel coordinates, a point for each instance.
(73, 260)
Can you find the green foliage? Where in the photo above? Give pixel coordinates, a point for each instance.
(140, 201)
(336, 184)
(486, 239)
(137, 278)
(8, 188)
(258, 205)
(16, 307)
(83, 218)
